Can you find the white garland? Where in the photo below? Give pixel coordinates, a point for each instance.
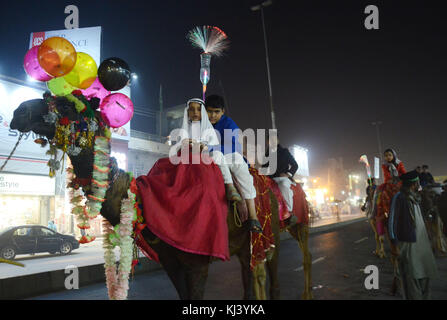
(121, 235)
(118, 282)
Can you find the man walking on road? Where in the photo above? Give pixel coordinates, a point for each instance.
(416, 262)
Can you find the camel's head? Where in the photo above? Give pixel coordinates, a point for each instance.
(29, 117)
(69, 123)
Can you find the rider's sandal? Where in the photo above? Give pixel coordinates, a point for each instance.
(232, 194)
(291, 221)
(255, 226)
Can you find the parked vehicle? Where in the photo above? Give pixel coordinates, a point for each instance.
(31, 239)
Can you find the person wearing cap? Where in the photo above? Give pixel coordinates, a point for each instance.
(392, 168)
(426, 177)
(416, 265)
(228, 155)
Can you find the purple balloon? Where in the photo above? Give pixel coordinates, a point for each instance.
(96, 90)
(32, 66)
(116, 110)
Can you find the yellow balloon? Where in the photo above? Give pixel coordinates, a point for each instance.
(84, 72)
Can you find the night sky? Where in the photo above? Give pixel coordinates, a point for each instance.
(331, 77)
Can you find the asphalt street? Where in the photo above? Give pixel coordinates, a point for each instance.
(339, 259)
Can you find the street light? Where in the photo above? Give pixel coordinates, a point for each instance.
(260, 7)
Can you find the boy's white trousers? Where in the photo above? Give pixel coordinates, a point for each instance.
(234, 163)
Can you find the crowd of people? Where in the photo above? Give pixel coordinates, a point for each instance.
(410, 209)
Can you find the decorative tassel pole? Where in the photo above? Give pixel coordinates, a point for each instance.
(213, 41)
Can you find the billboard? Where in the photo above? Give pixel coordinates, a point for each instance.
(86, 40)
(300, 155)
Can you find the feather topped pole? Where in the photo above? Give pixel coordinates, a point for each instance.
(364, 159)
(213, 41)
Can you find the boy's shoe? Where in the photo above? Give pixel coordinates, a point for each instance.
(232, 194)
(291, 221)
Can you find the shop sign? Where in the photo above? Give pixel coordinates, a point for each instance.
(26, 185)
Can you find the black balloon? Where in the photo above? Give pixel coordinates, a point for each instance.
(114, 74)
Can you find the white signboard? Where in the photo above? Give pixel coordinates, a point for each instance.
(86, 40)
(376, 168)
(26, 185)
(300, 155)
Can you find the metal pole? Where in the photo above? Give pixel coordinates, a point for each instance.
(256, 8)
(379, 142)
(160, 101)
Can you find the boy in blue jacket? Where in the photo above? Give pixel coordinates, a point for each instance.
(228, 156)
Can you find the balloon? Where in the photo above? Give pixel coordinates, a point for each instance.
(57, 56)
(116, 110)
(114, 74)
(96, 90)
(32, 66)
(84, 72)
(60, 87)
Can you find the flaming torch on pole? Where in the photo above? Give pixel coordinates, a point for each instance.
(213, 41)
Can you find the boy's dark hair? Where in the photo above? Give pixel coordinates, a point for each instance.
(215, 101)
(424, 166)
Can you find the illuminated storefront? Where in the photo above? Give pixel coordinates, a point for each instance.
(26, 199)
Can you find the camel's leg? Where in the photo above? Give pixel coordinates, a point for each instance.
(244, 255)
(381, 230)
(301, 233)
(188, 272)
(442, 239)
(196, 273)
(273, 253)
(272, 268)
(259, 276)
(372, 222)
(394, 255)
(172, 266)
(381, 252)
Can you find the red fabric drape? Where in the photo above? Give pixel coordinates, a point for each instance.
(185, 206)
(261, 243)
(300, 205)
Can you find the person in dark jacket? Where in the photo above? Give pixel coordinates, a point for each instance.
(416, 262)
(426, 177)
(286, 168)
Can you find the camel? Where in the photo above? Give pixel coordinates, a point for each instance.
(433, 221)
(188, 272)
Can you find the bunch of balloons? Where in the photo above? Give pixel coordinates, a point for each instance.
(57, 63)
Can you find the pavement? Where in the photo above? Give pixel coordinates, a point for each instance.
(339, 257)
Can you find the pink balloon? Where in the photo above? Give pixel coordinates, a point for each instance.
(32, 66)
(116, 109)
(96, 90)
